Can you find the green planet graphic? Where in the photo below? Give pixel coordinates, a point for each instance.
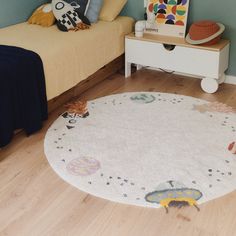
(143, 98)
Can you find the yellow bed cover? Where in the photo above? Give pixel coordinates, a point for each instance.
(71, 57)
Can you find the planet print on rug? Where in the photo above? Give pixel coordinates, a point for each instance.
(143, 98)
(146, 149)
(83, 166)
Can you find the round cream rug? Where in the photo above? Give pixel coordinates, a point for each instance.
(147, 149)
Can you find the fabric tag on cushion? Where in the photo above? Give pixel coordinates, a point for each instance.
(94, 10)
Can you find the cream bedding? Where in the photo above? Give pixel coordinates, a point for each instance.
(71, 57)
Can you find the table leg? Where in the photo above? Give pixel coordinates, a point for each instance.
(139, 67)
(127, 69)
(222, 79)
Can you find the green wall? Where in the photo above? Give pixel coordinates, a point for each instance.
(15, 11)
(218, 10)
(134, 8)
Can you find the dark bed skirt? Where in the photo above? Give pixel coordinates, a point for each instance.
(23, 101)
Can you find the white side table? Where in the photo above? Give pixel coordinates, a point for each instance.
(209, 62)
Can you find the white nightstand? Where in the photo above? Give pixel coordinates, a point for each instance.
(209, 62)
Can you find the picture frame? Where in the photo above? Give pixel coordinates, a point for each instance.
(167, 17)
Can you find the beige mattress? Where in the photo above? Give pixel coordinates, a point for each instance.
(71, 57)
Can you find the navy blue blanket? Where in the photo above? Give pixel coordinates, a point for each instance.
(23, 101)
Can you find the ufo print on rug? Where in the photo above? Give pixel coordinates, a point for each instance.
(174, 194)
(146, 149)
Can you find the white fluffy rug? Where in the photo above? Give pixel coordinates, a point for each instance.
(147, 149)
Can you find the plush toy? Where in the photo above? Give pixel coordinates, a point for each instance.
(43, 16)
(232, 148)
(69, 17)
(78, 108)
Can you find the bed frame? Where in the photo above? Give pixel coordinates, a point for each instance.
(106, 71)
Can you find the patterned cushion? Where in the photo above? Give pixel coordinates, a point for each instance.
(111, 9)
(43, 16)
(68, 17)
(94, 10)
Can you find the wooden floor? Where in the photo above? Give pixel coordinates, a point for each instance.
(35, 201)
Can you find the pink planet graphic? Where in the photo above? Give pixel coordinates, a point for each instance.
(83, 166)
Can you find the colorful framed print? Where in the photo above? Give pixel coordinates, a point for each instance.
(167, 17)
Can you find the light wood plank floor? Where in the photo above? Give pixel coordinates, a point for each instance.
(35, 201)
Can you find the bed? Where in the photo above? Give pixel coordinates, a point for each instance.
(69, 58)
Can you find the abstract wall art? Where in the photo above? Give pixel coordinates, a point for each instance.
(167, 17)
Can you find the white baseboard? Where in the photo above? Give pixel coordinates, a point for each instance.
(230, 79)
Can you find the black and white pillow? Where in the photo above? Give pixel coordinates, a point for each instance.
(82, 5)
(68, 16)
